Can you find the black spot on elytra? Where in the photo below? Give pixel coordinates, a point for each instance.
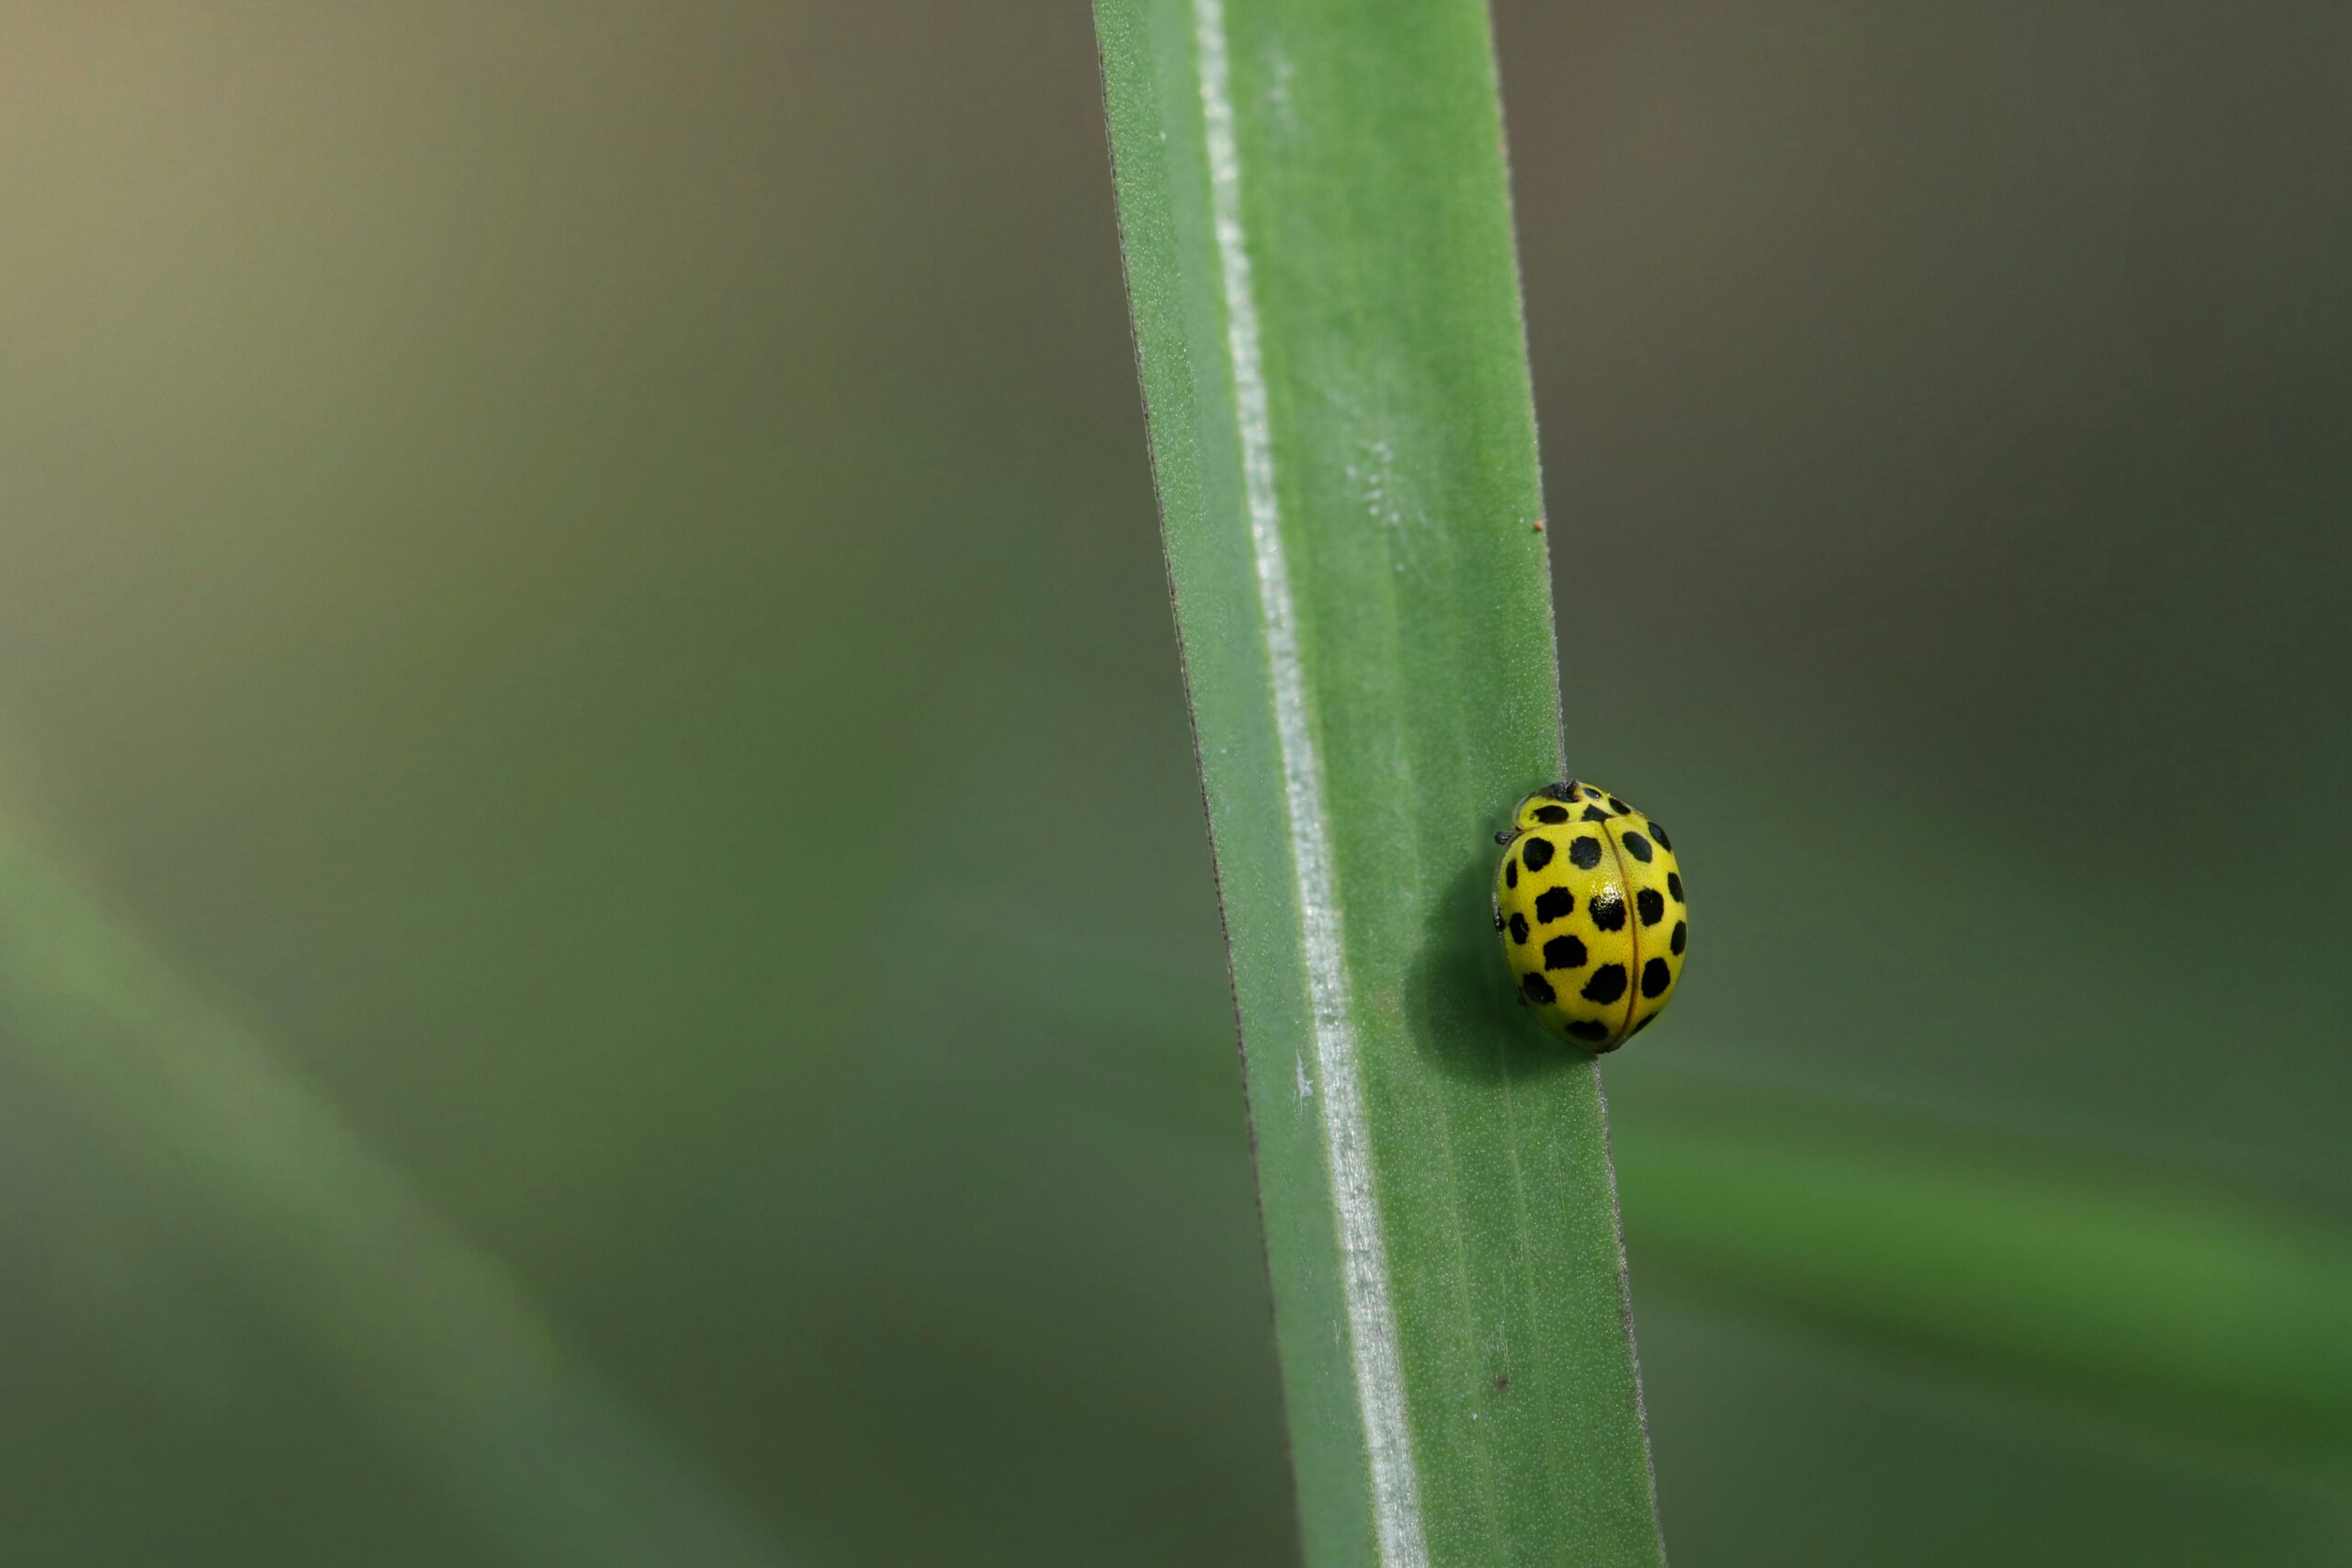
(1519, 929)
(1553, 904)
(1538, 989)
(1550, 813)
(1618, 803)
(1511, 873)
(1564, 953)
(1657, 832)
(1596, 1032)
(1537, 854)
(1673, 880)
(1650, 904)
(1585, 851)
(1607, 983)
(1637, 847)
(1595, 814)
(1656, 977)
(1607, 908)
(1560, 791)
(1681, 931)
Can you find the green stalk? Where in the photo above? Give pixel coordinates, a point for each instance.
(176, 1113)
(1317, 227)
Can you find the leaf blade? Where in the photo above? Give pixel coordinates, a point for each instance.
(1317, 230)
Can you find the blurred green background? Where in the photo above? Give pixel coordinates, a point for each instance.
(607, 945)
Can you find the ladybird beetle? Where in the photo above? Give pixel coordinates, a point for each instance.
(1589, 900)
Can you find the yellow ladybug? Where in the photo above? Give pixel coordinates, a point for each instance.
(1589, 900)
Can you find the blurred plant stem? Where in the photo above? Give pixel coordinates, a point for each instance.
(178, 1110)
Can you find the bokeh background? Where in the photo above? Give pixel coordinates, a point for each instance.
(606, 944)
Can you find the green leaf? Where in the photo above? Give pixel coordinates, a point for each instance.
(1317, 228)
(176, 1116)
(2094, 1279)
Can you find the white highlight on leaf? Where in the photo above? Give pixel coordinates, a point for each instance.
(1371, 1339)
